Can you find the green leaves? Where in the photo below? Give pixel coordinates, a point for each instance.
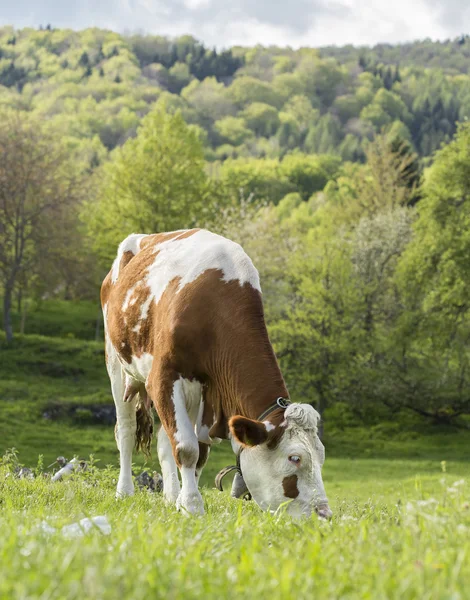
(155, 182)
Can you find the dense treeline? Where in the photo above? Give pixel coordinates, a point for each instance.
(326, 171)
(96, 85)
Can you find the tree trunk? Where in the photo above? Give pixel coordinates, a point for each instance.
(321, 409)
(23, 318)
(7, 324)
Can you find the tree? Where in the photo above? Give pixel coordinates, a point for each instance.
(84, 60)
(435, 275)
(321, 79)
(154, 182)
(262, 118)
(37, 183)
(246, 90)
(233, 129)
(309, 173)
(209, 99)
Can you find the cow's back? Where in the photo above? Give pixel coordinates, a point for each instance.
(172, 295)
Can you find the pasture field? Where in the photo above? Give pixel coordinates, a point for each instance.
(399, 537)
(401, 502)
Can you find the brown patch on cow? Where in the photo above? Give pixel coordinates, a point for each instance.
(289, 485)
(210, 330)
(204, 450)
(126, 258)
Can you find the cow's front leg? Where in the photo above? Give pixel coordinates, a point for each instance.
(171, 483)
(204, 450)
(166, 390)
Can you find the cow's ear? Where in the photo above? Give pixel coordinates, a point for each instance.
(248, 432)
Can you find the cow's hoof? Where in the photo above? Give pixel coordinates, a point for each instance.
(124, 492)
(190, 504)
(170, 497)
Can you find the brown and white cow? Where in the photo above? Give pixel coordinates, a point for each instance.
(184, 327)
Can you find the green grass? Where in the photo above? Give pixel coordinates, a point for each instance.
(403, 538)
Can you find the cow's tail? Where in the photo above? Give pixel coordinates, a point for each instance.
(144, 432)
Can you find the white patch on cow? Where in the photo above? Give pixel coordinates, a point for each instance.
(203, 434)
(190, 257)
(130, 244)
(127, 299)
(139, 367)
(144, 309)
(302, 415)
(269, 426)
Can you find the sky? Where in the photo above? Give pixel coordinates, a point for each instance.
(224, 23)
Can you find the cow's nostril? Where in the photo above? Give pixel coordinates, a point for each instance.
(324, 512)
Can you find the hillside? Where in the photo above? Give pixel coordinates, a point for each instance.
(94, 86)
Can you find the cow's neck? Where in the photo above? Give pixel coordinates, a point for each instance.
(246, 381)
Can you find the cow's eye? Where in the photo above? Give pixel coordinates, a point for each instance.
(294, 458)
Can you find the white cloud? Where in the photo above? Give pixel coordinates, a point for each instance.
(248, 22)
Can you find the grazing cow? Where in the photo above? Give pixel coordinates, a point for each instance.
(185, 329)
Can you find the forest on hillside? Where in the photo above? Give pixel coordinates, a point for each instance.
(343, 172)
(95, 86)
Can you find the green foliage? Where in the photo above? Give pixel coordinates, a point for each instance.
(270, 180)
(201, 61)
(233, 130)
(435, 283)
(309, 174)
(349, 322)
(155, 182)
(261, 118)
(356, 92)
(246, 90)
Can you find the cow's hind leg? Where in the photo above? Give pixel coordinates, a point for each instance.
(125, 425)
(166, 389)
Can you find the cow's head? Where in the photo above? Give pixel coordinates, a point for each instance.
(283, 464)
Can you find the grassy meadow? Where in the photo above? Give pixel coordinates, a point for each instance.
(401, 525)
(403, 537)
